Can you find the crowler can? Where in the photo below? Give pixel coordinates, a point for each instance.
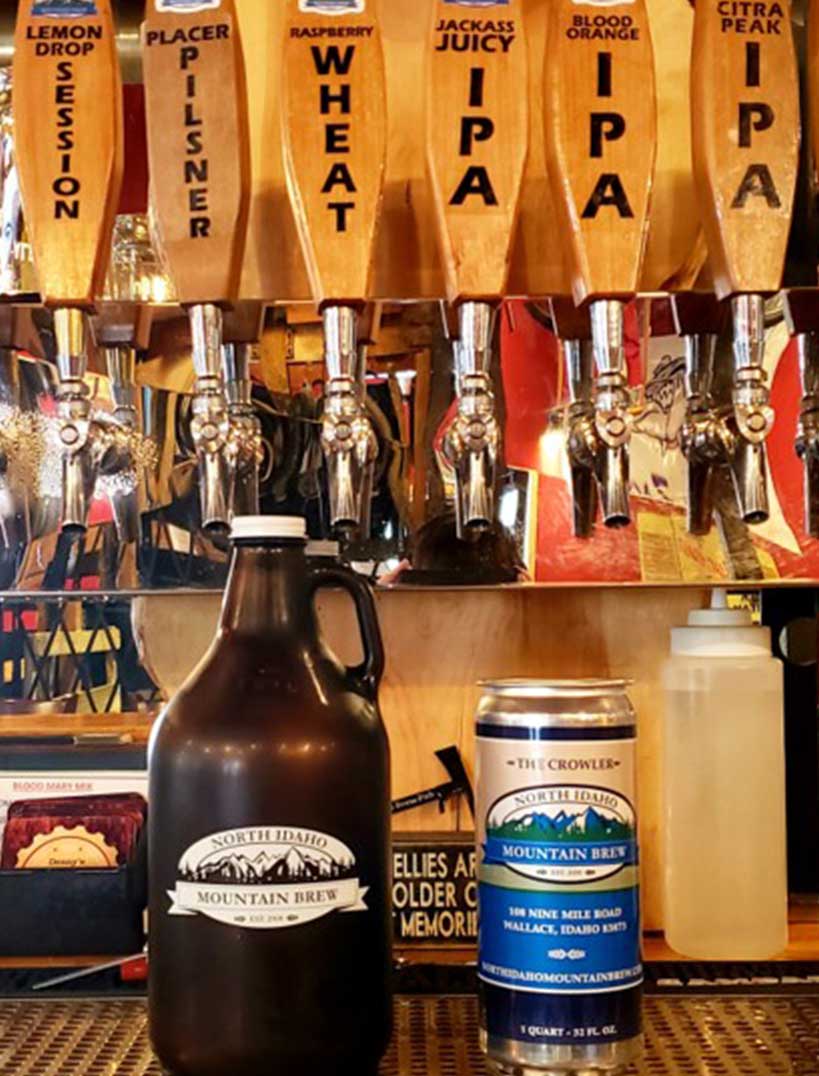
(559, 913)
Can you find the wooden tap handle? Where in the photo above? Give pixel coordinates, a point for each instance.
(745, 132)
(68, 130)
(601, 139)
(334, 122)
(477, 137)
(198, 144)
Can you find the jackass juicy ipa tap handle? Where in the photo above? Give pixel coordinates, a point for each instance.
(199, 154)
(477, 141)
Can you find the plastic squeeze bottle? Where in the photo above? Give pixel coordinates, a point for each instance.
(726, 894)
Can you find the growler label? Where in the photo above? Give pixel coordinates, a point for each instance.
(266, 877)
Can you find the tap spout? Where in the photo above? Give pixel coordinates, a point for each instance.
(347, 436)
(582, 440)
(807, 436)
(472, 442)
(245, 451)
(119, 463)
(210, 425)
(78, 435)
(752, 410)
(613, 420)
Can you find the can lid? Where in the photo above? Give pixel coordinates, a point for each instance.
(246, 527)
(542, 689)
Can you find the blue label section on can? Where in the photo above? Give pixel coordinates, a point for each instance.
(558, 869)
(558, 942)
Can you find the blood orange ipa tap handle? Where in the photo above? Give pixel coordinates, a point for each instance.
(477, 140)
(601, 137)
(334, 126)
(68, 128)
(745, 135)
(199, 155)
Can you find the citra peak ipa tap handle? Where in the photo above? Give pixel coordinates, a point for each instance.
(335, 141)
(745, 130)
(601, 139)
(68, 129)
(198, 144)
(477, 137)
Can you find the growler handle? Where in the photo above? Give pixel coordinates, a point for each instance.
(368, 674)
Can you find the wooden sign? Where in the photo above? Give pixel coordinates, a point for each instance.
(601, 139)
(477, 133)
(434, 890)
(68, 132)
(334, 121)
(198, 148)
(745, 129)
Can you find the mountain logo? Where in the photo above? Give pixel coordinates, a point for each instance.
(332, 7)
(187, 7)
(568, 834)
(63, 9)
(266, 877)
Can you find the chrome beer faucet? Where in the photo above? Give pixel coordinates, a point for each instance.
(80, 437)
(472, 442)
(120, 462)
(582, 441)
(245, 437)
(753, 413)
(347, 436)
(802, 314)
(613, 421)
(707, 439)
(210, 424)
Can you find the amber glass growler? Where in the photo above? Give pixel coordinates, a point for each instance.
(270, 924)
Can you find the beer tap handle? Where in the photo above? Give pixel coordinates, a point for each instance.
(601, 139)
(334, 97)
(477, 140)
(745, 141)
(198, 145)
(477, 143)
(69, 145)
(335, 145)
(199, 155)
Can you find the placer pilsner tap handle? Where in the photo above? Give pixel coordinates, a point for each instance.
(199, 155)
(335, 97)
(745, 139)
(602, 187)
(477, 143)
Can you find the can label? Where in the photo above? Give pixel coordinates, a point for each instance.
(558, 862)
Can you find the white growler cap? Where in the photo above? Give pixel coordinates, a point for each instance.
(248, 527)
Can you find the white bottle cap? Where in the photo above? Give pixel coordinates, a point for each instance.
(323, 549)
(249, 527)
(721, 632)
